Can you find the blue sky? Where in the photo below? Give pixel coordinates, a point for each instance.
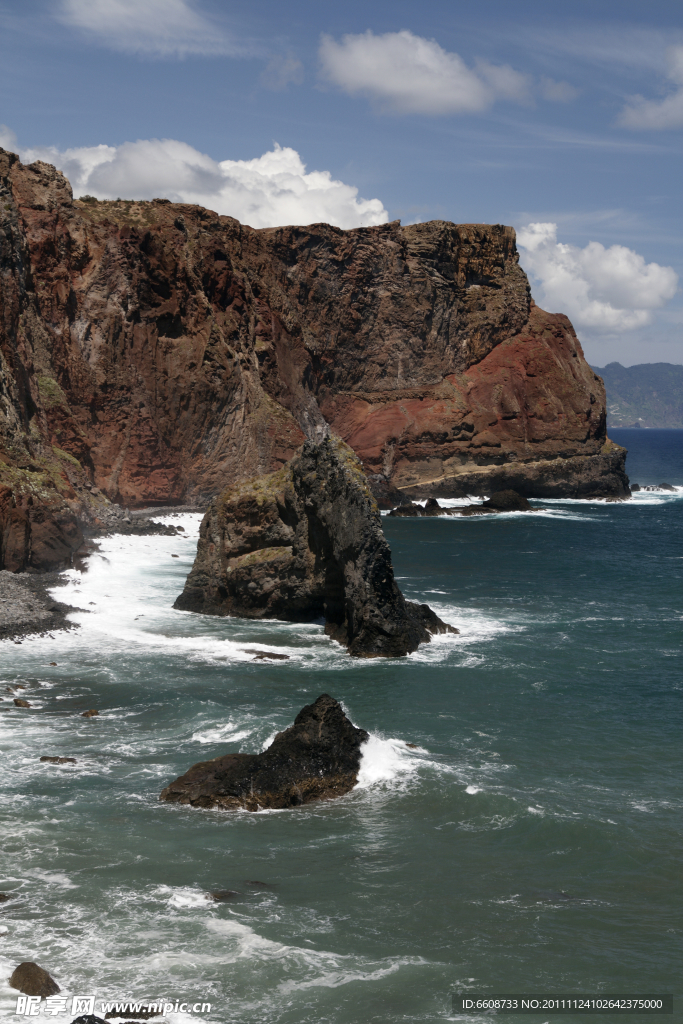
(568, 118)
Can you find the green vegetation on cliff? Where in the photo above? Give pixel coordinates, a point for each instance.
(647, 395)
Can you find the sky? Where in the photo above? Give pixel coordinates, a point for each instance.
(563, 120)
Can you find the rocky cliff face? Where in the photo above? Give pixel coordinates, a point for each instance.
(150, 352)
(306, 543)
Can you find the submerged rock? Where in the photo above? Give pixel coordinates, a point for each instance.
(32, 980)
(317, 758)
(223, 895)
(89, 714)
(58, 760)
(266, 655)
(304, 544)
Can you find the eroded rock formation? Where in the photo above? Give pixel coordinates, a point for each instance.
(317, 758)
(306, 543)
(150, 352)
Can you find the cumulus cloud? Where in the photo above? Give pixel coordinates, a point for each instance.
(269, 191)
(160, 27)
(666, 113)
(407, 74)
(604, 290)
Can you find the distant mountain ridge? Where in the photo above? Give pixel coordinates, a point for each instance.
(646, 395)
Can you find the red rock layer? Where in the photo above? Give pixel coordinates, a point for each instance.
(158, 352)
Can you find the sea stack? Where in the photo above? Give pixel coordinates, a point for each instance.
(303, 544)
(317, 758)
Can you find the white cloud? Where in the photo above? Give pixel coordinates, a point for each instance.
(666, 113)
(605, 290)
(8, 138)
(161, 27)
(407, 74)
(274, 189)
(280, 72)
(557, 92)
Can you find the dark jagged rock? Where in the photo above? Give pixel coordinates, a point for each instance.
(412, 510)
(507, 501)
(500, 501)
(58, 760)
(654, 487)
(432, 508)
(306, 543)
(33, 980)
(21, 703)
(317, 758)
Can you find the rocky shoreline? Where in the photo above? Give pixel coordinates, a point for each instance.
(28, 609)
(26, 606)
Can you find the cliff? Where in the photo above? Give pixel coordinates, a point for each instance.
(150, 352)
(306, 543)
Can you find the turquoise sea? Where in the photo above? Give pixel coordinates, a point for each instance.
(530, 842)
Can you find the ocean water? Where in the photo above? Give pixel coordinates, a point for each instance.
(531, 840)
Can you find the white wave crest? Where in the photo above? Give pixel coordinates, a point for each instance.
(183, 897)
(52, 878)
(385, 761)
(221, 734)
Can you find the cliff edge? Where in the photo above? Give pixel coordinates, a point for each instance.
(150, 352)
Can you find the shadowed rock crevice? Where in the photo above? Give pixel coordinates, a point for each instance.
(307, 543)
